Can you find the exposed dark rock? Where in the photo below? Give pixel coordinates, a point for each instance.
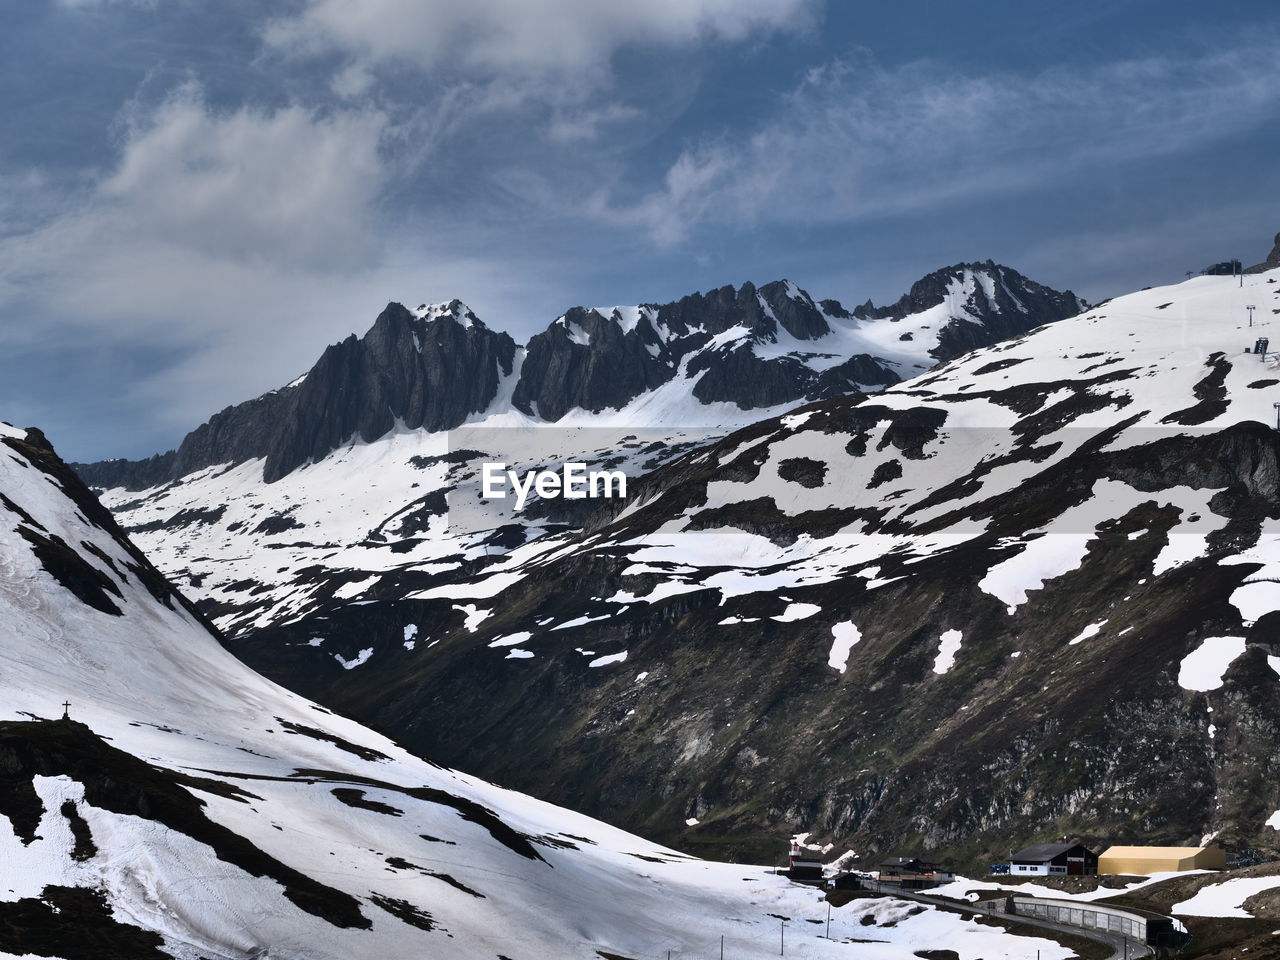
(121, 783)
(613, 367)
(356, 798)
(364, 753)
(1016, 305)
(430, 373)
(74, 923)
(1272, 262)
(405, 911)
(803, 470)
(1211, 392)
(36, 452)
(278, 523)
(83, 848)
(89, 584)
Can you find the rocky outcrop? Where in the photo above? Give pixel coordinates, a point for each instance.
(999, 302)
(1271, 263)
(739, 376)
(588, 361)
(778, 305)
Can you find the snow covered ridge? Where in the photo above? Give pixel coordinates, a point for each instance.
(190, 808)
(438, 366)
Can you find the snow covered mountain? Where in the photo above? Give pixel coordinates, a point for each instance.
(190, 808)
(1034, 592)
(332, 489)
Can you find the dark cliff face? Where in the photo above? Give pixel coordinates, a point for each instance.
(585, 360)
(436, 372)
(561, 372)
(736, 375)
(429, 373)
(717, 311)
(1009, 307)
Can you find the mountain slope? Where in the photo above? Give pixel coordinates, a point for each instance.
(1031, 593)
(190, 808)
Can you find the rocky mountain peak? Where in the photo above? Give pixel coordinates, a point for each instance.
(454, 310)
(437, 366)
(794, 310)
(1001, 301)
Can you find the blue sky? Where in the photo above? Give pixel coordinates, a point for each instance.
(196, 197)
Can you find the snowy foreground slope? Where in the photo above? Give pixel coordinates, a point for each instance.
(1033, 592)
(191, 808)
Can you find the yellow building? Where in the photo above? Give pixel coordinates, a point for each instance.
(1144, 861)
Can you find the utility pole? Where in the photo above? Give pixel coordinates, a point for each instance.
(1251, 308)
(722, 946)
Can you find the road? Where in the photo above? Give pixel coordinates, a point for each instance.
(1120, 950)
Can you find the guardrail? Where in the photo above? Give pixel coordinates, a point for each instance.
(1153, 929)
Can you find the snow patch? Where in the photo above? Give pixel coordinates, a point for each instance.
(1225, 899)
(474, 615)
(360, 658)
(1092, 630)
(948, 647)
(844, 636)
(1204, 668)
(511, 639)
(797, 611)
(608, 659)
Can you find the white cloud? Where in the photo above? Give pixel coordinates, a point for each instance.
(289, 185)
(199, 202)
(352, 82)
(563, 37)
(584, 123)
(854, 140)
(240, 242)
